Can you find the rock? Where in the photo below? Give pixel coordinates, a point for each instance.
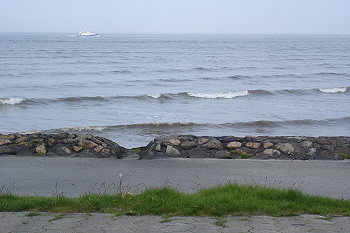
(62, 150)
(98, 149)
(21, 139)
(213, 144)
(89, 144)
(69, 141)
(105, 153)
(173, 142)
(222, 155)
(41, 150)
(272, 153)
(306, 144)
(233, 145)
(77, 148)
(202, 141)
(4, 142)
(158, 147)
(51, 142)
(286, 148)
(267, 145)
(188, 145)
(172, 151)
(8, 150)
(252, 145)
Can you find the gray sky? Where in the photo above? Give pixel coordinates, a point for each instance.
(177, 16)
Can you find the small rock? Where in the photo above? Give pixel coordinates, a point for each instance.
(77, 148)
(253, 145)
(174, 142)
(41, 150)
(213, 144)
(158, 147)
(233, 145)
(286, 148)
(4, 142)
(202, 141)
(272, 153)
(222, 154)
(69, 141)
(98, 148)
(89, 144)
(62, 150)
(306, 144)
(267, 145)
(188, 145)
(51, 142)
(172, 151)
(105, 153)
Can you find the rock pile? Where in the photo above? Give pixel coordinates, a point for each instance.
(62, 144)
(229, 147)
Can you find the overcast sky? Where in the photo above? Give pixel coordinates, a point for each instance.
(177, 16)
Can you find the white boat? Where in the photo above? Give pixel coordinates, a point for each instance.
(87, 33)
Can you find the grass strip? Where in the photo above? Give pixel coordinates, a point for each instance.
(230, 199)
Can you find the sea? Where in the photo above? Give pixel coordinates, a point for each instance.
(133, 88)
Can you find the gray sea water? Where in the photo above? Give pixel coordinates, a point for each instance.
(132, 88)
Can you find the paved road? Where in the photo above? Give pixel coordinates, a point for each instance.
(96, 223)
(75, 176)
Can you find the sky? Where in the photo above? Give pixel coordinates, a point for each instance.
(177, 16)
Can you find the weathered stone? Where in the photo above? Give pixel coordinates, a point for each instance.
(21, 139)
(224, 154)
(252, 145)
(272, 153)
(69, 141)
(172, 151)
(188, 145)
(4, 142)
(312, 151)
(77, 148)
(8, 150)
(41, 150)
(62, 150)
(158, 147)
(233, 145)
(7, 137)
(202, 141)
(89, 144)
(267, 145)
(174, 142)
(98, 149)
(51, 142)
(286, 148)
(105, 153)
(213, 144)
(306, 144)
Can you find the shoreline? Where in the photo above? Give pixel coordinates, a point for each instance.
(179, 146)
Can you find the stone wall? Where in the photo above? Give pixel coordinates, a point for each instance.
(63, 144)
(179, 146)
(229, 147)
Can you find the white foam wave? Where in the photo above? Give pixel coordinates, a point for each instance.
(84, 128)
(228, 95)
(333, 90)
(11, 101)
(155, 96)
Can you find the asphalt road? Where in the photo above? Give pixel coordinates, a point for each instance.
(47, 176)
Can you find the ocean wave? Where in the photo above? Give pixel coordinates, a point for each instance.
(227, 95)
(11, 101)
(207, 126)
(333, 90)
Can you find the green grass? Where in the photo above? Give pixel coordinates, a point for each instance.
(230, 199)
(345, 156)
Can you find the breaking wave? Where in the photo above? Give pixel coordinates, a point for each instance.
(11, 101)
(228, 95)
(333, 90)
